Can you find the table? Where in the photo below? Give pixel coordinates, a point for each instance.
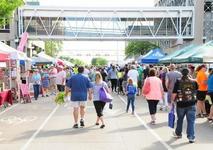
(6, 96)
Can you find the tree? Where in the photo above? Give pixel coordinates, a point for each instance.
(135, 48)
(6, 9)
(99, 61)
(53, 47)
(78, 62)
(73, 61)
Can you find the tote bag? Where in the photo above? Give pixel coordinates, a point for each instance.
(104, 96)
(171, 118)
(146, 87)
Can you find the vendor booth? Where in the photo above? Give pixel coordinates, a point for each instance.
(43, 59)
(153, 56)
(170, 58)
(4, 58)
(199, 54)
(15, 72)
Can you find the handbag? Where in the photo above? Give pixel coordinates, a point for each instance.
(104, 95)
(171, 118)
(146, 87)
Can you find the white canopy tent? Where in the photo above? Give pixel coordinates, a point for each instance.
(14, 54)
(43, 58)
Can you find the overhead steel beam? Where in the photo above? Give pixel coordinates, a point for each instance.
(107, 23)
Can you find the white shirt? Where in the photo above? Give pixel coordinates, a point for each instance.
(60, 76)
(134, 75)
(86, 72)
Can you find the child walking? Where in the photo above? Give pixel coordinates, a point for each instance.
(131, 92)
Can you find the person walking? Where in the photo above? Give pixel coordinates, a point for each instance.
(155, 93)
(99, 105)
(202, 90)
(131, 92)
(184, 96)
(140, 77)
(164, 102)
(79, 85)
(112, 74)
(171, 78)
(36, 83)
(45, 82)
(61, 79)
(52, 75)
(210, 93)
(133, 74)
(125, 78)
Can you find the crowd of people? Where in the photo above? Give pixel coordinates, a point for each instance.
(185, 87)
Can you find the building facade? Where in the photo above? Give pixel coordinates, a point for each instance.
(208, 15)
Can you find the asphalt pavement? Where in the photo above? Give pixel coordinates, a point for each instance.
(43, 125)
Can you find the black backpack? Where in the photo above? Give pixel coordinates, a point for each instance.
(186, 90)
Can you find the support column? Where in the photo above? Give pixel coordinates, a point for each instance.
(198, 22)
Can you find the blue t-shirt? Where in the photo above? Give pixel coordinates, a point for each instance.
(210, 84)
(131, 89)
(79, 85)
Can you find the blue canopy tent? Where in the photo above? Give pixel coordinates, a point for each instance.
(153, 56)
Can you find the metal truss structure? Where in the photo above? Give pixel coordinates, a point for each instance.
(45, 23)
(174, 2)
(208, 17)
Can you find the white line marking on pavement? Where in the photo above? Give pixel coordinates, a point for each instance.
(149, 129)
(39, 129)
(7, 109)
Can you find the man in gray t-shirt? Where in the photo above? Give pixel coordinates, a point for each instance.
(171, 78)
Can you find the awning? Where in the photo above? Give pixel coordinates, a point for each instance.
(153, 56)
(169, 58)
(4, 57)
(14, 54)
(43, 58)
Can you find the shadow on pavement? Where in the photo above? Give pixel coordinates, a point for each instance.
(141, 127)
(172, 140)
(155, 146)
(158, 125)
(51, 133)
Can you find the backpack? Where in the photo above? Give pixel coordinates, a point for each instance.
(186, 91)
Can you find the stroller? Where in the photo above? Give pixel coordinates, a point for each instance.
(25, 93)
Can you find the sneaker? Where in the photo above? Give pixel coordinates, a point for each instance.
(205, 115)
(97, 124)
(152, 122)
(82, 123)
(199, 116)
(102, 126)
(191, 140)
(210, 120)
(176, 136)
(75, 125)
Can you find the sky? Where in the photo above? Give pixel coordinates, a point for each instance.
(98, 3)
(98, 45)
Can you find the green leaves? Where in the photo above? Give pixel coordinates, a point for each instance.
(59, 99)
(73, 61)
(99, 61)
(135, 48)
(6, 9)
(53, 47)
